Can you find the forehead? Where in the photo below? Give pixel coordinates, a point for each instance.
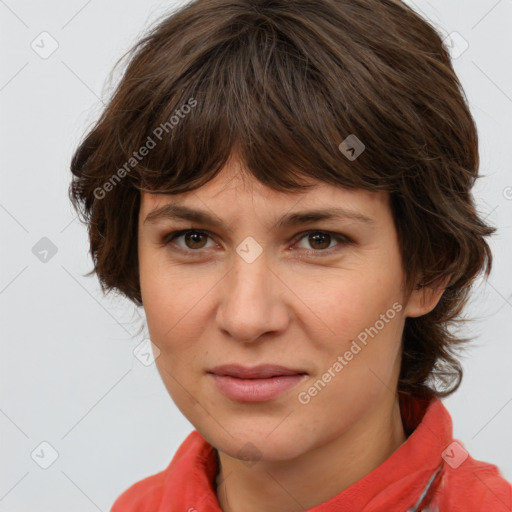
(237, 191)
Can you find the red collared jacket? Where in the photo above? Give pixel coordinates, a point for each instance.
(429, 472)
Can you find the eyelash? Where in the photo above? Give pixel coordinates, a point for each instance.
(342, 239)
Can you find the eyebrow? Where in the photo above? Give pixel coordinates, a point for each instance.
(176, 211)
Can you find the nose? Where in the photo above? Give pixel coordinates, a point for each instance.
(251, 303)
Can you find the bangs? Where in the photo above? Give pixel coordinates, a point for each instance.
(254, 90)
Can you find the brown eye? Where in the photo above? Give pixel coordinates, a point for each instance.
(193, 240)
(319, 240)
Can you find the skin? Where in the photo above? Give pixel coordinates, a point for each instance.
(296, 305)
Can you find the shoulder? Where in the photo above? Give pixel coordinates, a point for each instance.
(146, 494)
(477, 486)
(150, 492)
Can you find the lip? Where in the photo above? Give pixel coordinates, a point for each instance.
(261, 371)
(256, 384)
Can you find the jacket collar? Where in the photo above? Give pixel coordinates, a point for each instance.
(397, 484)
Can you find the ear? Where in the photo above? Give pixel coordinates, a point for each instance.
(424, 298)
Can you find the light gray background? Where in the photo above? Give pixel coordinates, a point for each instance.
(69, 375)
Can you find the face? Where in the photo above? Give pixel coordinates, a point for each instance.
(308, 315)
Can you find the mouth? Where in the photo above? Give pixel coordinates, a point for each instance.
(257, 384)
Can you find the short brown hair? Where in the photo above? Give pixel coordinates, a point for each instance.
(282, 83)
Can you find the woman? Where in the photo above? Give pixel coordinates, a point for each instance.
(285, 187)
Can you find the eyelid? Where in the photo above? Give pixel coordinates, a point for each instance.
(343, 240)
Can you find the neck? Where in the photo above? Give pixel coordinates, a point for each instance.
(315, 476)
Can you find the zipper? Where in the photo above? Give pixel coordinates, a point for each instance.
(427, 493)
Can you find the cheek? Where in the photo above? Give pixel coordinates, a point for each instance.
(170, 292)
(363, 311)
(342, 302)
(177, 300)
(172, 303)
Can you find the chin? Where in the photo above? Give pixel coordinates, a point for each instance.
(259, 442)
